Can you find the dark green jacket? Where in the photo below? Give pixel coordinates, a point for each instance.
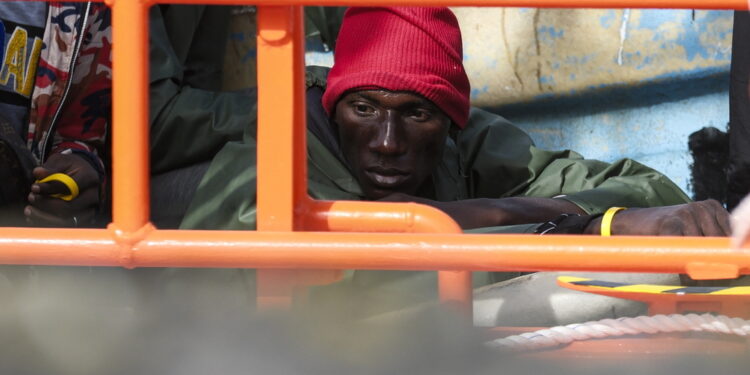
(192, 120)
(490, 158)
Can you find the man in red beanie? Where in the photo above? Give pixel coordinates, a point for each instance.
(393, 122)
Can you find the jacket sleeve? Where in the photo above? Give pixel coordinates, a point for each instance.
(82, 124)
(595, 186)
(191, 119)
(502, 161)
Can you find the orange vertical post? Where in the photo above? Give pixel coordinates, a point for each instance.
(456, 291)
(130, 164)
(282, 168)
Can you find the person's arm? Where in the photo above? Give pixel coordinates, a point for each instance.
(501, 161)
(488, 212)
(79, 133)
(513, 182)
(704, 218)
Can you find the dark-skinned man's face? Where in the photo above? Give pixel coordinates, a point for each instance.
(392, 140)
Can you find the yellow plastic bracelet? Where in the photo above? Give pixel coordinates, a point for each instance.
(67, 181)
(606, 229)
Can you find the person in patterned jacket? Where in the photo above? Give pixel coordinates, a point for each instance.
(55, 104)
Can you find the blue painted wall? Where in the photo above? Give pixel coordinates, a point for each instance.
(654, 134)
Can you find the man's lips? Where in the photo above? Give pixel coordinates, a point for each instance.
(386, 177)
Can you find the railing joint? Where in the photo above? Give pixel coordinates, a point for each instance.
(127, 242)
(279, 27)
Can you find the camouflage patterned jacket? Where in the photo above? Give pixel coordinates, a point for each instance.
(71, 99)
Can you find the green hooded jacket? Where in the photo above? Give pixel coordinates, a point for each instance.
(490, 158)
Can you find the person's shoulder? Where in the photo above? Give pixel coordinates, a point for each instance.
(482, 122)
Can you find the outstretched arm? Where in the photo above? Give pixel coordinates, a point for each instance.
(487, 212)
(705, 218)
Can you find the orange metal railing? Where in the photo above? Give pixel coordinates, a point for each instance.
(297, 233)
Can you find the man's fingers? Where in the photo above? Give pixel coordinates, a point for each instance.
(720, 222)
(75, 167)
(721, 215)
(702, 219)
(724, 223)
(40, 173)
(35, 216)
(87, 200)
(55, 164)
(49, 188)
(704, 215)
(38, 217)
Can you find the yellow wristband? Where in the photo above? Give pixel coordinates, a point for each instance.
(65, 180)
(606, 229)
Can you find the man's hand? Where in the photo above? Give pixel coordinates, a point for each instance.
(43, 209)
(704, 218)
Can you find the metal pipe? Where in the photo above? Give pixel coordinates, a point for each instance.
(396, 251)
(130, 162)
(353, 216)
(282, 159)
(456, 291)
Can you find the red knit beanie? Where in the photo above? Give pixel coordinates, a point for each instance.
(401, 49)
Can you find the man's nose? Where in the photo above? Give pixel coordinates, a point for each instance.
(389, 140)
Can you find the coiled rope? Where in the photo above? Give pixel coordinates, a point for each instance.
(562, 335)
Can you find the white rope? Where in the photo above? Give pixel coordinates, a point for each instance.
(562, 335)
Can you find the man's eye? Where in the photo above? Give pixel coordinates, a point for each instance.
(363, 109)
(420, 115)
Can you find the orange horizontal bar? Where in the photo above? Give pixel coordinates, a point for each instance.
(653, 4)
(63, 247)
(315, 250)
